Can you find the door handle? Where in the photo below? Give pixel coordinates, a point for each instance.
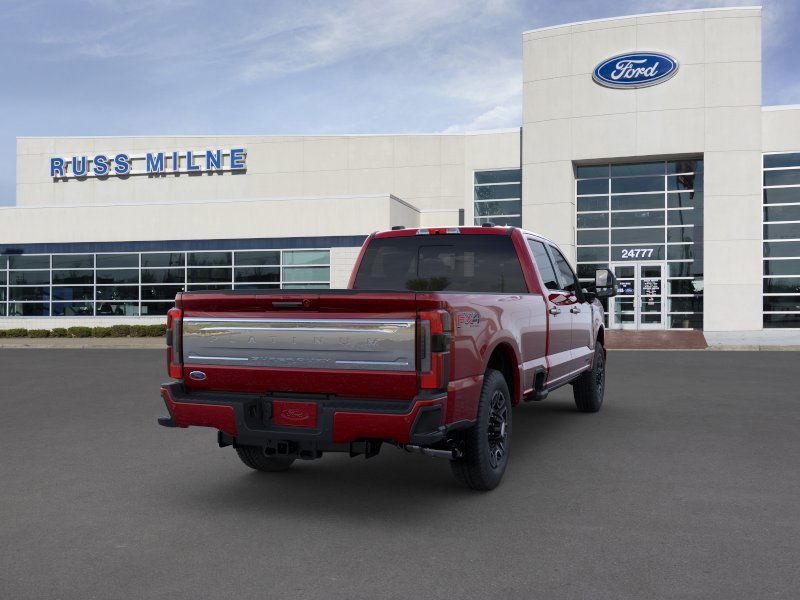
(575, 310)
(554, 310)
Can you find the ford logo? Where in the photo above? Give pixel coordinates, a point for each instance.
(294, 414)
(635, 70)
(197, 375)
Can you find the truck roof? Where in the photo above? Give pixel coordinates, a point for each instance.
(461, 229)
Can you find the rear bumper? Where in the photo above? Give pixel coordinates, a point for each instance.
(248, 419)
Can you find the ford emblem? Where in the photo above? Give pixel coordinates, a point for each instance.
(635, 70)
(198, 375)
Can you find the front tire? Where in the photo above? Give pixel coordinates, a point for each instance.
(590, 385)
(254, 457)
(486, 444)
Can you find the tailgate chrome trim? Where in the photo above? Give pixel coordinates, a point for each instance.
(363, 344)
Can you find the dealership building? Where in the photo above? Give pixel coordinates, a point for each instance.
(644, 146)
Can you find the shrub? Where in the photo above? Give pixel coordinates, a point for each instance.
(59, 332)
(16, 332)
(2, 333)
(80, 332)
(138, 330)
(38, 333)
(120, 330)
(156, 330)
(101, 332)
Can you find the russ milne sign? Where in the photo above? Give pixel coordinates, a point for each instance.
(151, 163)
(635, 70)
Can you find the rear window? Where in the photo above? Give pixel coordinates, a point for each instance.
(434, 263)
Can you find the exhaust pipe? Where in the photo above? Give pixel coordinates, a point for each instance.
(432, 452)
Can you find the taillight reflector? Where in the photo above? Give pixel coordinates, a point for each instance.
(434, 349)
(174, 358)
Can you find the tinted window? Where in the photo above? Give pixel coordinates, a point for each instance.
(117, 260)
(29, 262)
(586, 204)
(73, 261)
(498, 176)
(592, 171)
(565, 271)
(454, 263)
(493, 192)
(209, 259)
(782, 160)
(257, 258)
(544, 265)
(163, 259)
(593, 186)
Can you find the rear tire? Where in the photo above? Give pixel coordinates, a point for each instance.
(254, 457)
(486, 444)
(589, 386)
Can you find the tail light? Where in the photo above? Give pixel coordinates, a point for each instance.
(174, 354)
(433, 349)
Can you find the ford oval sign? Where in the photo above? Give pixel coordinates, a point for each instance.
(635, 70)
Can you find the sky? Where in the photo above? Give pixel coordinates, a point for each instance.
(174, 67)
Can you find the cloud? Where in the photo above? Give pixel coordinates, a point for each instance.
(340, 32)
(498, 117)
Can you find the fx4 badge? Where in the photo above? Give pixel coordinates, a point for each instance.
(467, 319)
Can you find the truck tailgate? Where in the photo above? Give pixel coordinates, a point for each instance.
(301, 342)
(339, 342)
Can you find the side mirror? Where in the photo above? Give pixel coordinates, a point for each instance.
(605, 284)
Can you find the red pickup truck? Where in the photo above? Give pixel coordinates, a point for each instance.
(440, 332)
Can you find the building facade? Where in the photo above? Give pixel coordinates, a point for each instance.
(678, 179)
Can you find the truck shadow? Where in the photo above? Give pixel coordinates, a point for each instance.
(392, 486)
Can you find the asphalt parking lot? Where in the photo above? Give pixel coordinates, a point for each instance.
(685, 486)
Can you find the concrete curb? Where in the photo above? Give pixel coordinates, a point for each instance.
(757, 347)
(82, 343)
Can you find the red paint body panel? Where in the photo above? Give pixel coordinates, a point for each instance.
(259, 380)
(185, 414)
(294, 414)
(348, 427)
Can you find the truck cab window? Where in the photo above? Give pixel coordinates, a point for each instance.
(544, 265)
(447, 263)
(568, 278)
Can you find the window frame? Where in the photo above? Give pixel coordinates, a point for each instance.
(544, 245)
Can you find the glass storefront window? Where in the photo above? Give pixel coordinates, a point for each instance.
(85, 292)
(209, 259)
(73, 261)
(212, 275)
(257, 274)
(305, 257)
(299, 274)
(28, 309)
(29, 293)
(645, 213)
(160, 292)
(65, 277)
(117, 276)
(117, 309)
(593, 220)
(781, 248)
(73, 309)
(497, 197)
(41, 261)
(108, 284)
(29, 278)
(257, 258)
(163, 275)
(112, 261)
(163, 259)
